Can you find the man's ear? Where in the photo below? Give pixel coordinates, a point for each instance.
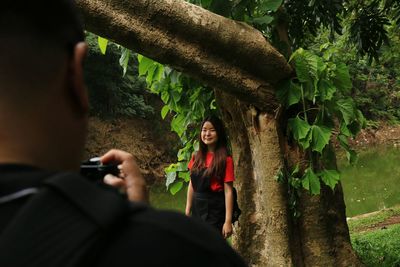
(77, 81)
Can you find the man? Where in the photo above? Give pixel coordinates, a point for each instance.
(43, 118)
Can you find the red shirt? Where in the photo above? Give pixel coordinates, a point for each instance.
(215, 184)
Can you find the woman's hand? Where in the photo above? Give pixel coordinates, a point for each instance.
(130, 179)
(227, 230)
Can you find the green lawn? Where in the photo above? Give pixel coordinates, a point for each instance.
(379, 246)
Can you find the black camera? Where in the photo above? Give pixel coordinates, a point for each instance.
(95, 171)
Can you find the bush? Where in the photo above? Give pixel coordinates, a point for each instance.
(111, 94)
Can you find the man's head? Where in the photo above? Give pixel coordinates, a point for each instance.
(43, 101)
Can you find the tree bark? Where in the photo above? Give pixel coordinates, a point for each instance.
(238, 61)
(220, 52)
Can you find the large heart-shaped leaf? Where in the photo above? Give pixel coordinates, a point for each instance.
(346, 108)
(320, 137)
(341, 78)
(299, 128)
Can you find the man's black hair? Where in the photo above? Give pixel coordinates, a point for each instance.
(36, 37)
(53, 22)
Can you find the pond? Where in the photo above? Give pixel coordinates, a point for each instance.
(372, 184)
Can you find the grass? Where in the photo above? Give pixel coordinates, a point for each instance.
(362, 222)
(378, 247)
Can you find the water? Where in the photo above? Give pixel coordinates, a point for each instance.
(162, 199)
(373, 183)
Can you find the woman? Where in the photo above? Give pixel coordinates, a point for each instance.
(210, 191)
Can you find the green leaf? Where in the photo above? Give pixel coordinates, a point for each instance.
(178, 124)
(326, 90)
(344, 130)
(176, 187)
(144, 64)
(164, 111)
(102, 44)
(352, 156)
(310, 181)
(341, 78)
(305, 142)
(346, 107)
(171, 176)
(185, 176)
(289, 93)
(279, 177)
(124, 60)
(206, 3)
(270, 5)
(294, 94)
(330, 177)
(299, 128)
(320, 137)
(306, 66)
(295, 170)
(264, 20)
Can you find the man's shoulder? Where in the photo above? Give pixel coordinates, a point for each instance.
(167, 238)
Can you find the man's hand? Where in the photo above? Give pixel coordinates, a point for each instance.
(130, 179)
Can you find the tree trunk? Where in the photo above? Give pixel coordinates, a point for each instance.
(220, 52)
(237, 60)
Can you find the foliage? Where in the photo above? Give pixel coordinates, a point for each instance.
(380, 247)
(111, 96)
(321, 91)
(189, 102)
(375, 84)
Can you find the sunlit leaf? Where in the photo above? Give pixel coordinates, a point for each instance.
(102, 44)
(171, 176)
(185, 176)
(164, 111)
(176, 187)
(144, 64)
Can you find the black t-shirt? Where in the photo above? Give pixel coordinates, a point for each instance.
(144, 239)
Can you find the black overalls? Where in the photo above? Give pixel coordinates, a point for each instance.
(207, 205)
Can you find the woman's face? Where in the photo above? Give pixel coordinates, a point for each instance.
(209, 135)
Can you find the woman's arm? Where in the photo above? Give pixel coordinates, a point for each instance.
(189, 199)
(227, 228)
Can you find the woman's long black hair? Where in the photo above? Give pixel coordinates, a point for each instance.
(217, 167)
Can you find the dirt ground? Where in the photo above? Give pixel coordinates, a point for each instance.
(384, 134)
(150, 141)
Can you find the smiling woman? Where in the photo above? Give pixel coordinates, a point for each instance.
(210, 191)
